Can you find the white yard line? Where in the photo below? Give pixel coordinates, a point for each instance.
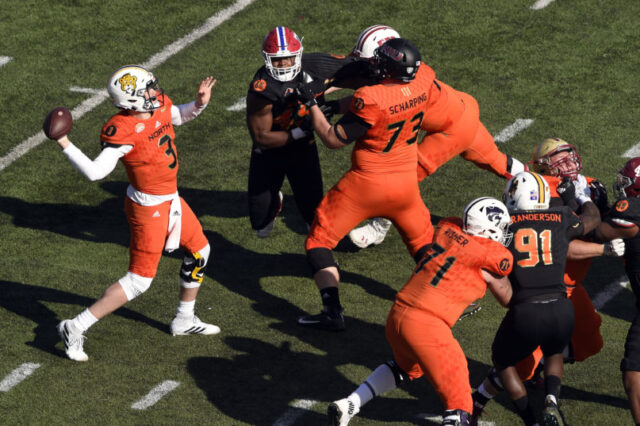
(155, 60)
(512, 130)
(609, 292)
(18, 375)
(5, 60)
(299, 407)
(634, 151)
(239, 105)
(540, 4)
(155, 395)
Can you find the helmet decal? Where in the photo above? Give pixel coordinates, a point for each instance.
(128, 83)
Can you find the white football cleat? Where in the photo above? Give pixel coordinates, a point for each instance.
(183, 327)
(341, 412)
(73, 341)
(372, 233)
(266, 231)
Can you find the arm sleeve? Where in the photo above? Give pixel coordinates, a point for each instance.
(101, 166)
(184, 113)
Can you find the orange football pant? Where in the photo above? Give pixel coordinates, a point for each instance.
(358, 196)
(148, 227)
(586, 339)
(467, 137)
(424, 345)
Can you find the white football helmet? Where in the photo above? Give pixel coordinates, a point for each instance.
(527, 191)
(372, 38)
(487, 217)
(281, 42)
(129, 89)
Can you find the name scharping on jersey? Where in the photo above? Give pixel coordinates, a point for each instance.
(536, 217)
(408, 104)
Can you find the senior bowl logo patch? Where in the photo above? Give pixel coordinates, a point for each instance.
(259, 85)
(622, 205)
(358, 103)
(505, 265)
(533, 196)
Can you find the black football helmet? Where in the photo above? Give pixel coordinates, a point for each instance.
(398, 59)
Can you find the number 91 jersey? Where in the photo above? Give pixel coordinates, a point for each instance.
(539, 246)
(152, 163)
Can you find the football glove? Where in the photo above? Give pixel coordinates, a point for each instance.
(599, 196)
(330, 108)
(306, 95)
(614, 248)
(583, 193)
(567, 192)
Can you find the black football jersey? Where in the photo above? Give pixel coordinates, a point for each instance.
(539, 247)
(287, 111)
(626, 212)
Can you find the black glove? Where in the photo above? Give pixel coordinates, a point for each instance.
(599, 196)
(306, 95)
(567, 192)
(330, 108)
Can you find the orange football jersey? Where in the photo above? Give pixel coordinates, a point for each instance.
(448, 277)
(395, 112)
(152, 164)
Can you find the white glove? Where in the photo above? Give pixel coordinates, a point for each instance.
(583, 193)
(614, 248)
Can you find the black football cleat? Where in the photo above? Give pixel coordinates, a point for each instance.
(328, 319)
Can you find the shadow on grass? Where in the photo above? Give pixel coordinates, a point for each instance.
(27, 301)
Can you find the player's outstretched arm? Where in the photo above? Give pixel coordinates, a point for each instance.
(96, 169)
(184, 113)
(500, 287)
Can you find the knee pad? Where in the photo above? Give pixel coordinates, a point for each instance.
(134, 285)
(320, 258)
(193, 267)
(400, 376)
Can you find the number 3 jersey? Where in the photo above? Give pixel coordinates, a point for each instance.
(152, 163)
(539, 247)
(448, 278)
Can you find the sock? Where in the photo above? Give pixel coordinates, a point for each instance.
(186, 309)
(552, 385)
(481, 396)
(84, 320)
(330, 298)
(380, 381)
(524, 410)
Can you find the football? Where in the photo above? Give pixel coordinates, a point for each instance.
(57, 123)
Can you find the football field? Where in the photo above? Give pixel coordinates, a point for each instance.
(565, 68)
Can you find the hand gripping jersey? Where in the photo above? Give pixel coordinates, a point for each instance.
(539, 247)
(576, 270)
(152, 164)
(448, 278)
(287, 111)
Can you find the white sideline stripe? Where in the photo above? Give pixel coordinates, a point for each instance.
(609, 292)
(634, 151)
(299, 407)
(512, 130)
(438, 419)
(85, 90)
(5, 60)
(239, 105)
(157, 59)
(155, 395)
(540, 4)
(18, 375)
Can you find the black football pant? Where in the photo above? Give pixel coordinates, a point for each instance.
(528, 325)
(298, 162)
